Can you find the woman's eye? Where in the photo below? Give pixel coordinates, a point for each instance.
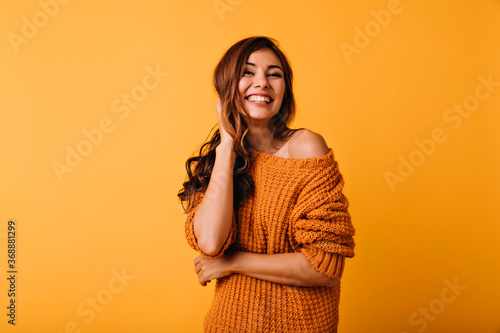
(270, 74)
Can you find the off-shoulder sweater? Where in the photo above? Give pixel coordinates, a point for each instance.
(298, 205)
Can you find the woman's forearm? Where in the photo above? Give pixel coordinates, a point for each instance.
(213, 217)
(285, 268)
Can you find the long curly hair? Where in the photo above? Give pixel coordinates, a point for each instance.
(234, 118)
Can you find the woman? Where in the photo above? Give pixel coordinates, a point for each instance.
(265, 205)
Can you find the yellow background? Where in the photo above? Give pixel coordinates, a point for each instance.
(117, 210)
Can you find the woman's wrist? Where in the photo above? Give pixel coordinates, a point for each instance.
(235, 259)
(225, 144)
(226, 149)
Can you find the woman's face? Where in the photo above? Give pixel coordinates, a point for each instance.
(262, 85)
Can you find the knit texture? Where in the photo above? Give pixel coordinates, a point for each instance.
(298, 205)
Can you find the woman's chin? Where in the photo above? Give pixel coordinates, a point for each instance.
(260, 113)
(259, 117)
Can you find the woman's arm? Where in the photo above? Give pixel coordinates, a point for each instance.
(285, 268)
(213, 217)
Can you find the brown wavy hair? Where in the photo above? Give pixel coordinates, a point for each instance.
(234, 118)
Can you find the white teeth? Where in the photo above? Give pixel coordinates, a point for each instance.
(259, 99)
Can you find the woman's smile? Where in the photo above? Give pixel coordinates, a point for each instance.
(261, 100)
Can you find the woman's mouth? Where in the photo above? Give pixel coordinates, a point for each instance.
(259, 100)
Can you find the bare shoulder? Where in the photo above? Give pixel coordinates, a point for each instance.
(307, 144)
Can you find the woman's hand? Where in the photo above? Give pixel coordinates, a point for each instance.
(208, 269)
(224, 135)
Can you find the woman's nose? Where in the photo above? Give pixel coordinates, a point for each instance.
(261, 81)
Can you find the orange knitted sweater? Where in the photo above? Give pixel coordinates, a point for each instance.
(298, 205)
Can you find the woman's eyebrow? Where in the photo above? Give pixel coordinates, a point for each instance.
(270, 66)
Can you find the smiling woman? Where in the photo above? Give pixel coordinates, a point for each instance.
(265, 208)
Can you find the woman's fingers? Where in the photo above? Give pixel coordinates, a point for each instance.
(196, 264)
(209, 269)
(223, 133)
(203, 280)
(198, 268)
(218, 105)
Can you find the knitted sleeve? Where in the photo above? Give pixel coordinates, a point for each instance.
(321, 224)
(189, 230)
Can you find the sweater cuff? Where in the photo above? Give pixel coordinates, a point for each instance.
(328, 263)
